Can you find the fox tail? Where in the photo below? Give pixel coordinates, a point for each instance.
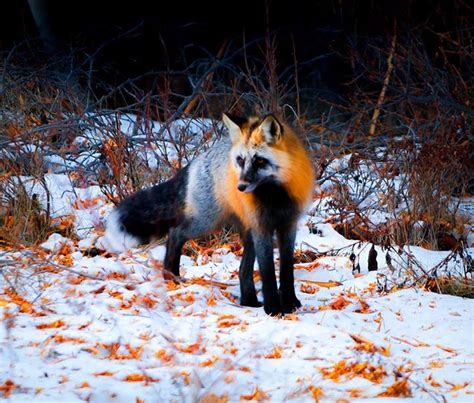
(146, 215)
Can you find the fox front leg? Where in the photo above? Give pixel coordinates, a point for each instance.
(248, 295)
(286, 240)
(263, 244)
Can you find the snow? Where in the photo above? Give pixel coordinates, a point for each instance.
(110, 328)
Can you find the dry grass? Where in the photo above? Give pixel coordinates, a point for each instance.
(460, 287)
(22, 219)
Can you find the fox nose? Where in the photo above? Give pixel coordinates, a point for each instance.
(242, 186)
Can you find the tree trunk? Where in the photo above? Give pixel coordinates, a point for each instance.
(41, 11)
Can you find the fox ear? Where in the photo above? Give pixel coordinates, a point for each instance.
(233, 124)
(271, 128)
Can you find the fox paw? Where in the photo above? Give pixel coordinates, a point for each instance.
(253, 302)
(290, 304)
(168, 275)
(273, 309)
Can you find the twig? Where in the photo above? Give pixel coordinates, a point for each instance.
(386, 81)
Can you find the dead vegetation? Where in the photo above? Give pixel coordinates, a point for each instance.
(395, 158)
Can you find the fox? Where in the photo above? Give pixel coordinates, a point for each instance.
(259, 178)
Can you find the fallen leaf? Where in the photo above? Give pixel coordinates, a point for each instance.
(7, 388)
(212, 398)
(257, 395)
(325, 284)
(363, 344)
(316, 393)
(103, 373)
(339, 304)
(399, 388)
(275, 354)
(140, 378)
(447, 349)
(164, 356)
(228, 321)
(210, 362)
(51, 325)
(191, 348)
(373, 373)
(308, 289)
(456, 386)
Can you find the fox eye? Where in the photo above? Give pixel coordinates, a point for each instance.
(260, 162)
(240, 161)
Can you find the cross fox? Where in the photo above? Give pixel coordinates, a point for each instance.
(260, 179)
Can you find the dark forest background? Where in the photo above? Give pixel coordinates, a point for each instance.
(127, 39)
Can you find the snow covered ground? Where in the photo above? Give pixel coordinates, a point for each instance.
(110, 329)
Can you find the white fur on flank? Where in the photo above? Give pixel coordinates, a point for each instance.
(115, 238)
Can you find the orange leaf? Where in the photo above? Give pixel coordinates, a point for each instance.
(211, 300)
(103, 373)
(457, 386)
(276, 353)
(164, 356)
(373, 373)
(364, 306)
(436, 364)
(65, 339)
(229, 379)
(25, 306)
(447, 349)
(325, 284)
(212, 398)
(316, 393)
(140, 378)
(190, 297)
(210, 362)
(397, 389)
(308, 289)
(339, 304)
(115, 275)
(147, 301)
(228, 320)
(355, 392)
(7, 388)
(3, 302)
(366, 345)
(256, 395)
(191, 348)
(51, 325)
(307, 266)
(84, 385)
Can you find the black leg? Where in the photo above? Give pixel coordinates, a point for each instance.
(177, 237)
(174, 245)
(248, 295)
(286, 241)
(263, 244)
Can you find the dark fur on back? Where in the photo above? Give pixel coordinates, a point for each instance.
(150, 213)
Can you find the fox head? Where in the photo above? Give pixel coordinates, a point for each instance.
(255, 152)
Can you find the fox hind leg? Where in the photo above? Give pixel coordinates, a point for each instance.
(177, 236)
(174, 246)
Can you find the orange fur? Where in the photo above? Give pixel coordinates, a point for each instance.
(297, 175)
(297, 170)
